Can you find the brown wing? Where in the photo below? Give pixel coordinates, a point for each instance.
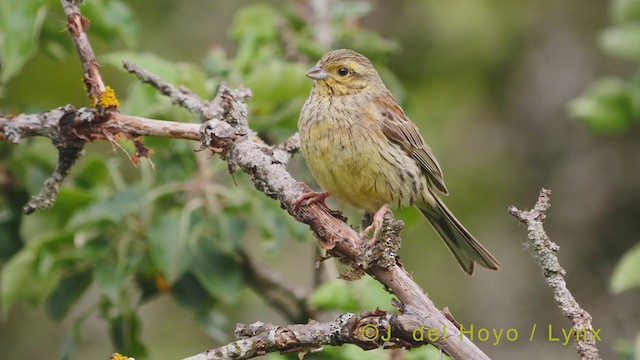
(402, 131)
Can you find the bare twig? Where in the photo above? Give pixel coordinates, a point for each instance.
(77, 25)
(84, 123)
(544, 250)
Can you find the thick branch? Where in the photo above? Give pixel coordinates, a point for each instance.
(368, 330)
(544, 250)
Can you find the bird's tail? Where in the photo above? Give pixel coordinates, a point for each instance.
(462, 244)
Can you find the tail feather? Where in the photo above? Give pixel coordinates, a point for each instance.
(466, 249)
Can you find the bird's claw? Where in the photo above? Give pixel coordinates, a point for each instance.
(312, 197)
(309, 198)
(376, 226)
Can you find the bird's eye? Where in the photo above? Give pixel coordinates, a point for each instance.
(343, 71)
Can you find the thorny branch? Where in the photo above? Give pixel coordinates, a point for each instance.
(544, 251)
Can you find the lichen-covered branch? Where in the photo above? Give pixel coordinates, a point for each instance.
(369, 330)
(84, 123)
(69, 129)
(544, 250)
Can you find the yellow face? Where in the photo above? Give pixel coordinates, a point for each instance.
(343, 72)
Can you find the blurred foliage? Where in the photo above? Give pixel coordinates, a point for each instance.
(612, 105)
(174, 227)
(27, 25)
(626, 275)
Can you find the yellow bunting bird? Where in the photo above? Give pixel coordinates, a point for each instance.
(363, 149)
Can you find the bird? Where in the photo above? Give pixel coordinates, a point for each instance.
(363, 149)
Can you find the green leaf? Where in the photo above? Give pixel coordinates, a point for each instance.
(218, 272)
(427, 352)
(626, 274)
(259, 19)
(91, 172)
(69, 290)
(112, 209)
(255, 27)
(353, 352)
(190, 293)
(334, 295)
(20, 25)
(370, 294)
(125, 335)
(608, 106)
(111, 19)
(72, 339)
(290, 83)
(109, 279)
(168, 244)
(22, 281)
(45, 224)
(622, 41)
(179, 73)
(625, 10)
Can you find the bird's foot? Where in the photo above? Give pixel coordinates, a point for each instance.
(376, 225)
(309, 198)
(312, 197)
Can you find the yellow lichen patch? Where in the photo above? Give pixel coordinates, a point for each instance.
(117, 356)
(108, 98)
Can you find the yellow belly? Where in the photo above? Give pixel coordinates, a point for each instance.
(359, 165)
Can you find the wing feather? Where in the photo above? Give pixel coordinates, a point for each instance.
(402, 131)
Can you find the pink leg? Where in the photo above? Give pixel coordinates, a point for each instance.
(311, 197)
(376, 225)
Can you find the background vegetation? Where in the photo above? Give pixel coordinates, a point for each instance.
(511, 96)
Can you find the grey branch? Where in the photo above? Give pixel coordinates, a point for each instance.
(544, 250)
(369, 330)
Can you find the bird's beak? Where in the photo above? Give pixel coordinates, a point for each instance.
(316, 73)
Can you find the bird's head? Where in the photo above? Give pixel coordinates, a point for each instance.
(342, 72)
